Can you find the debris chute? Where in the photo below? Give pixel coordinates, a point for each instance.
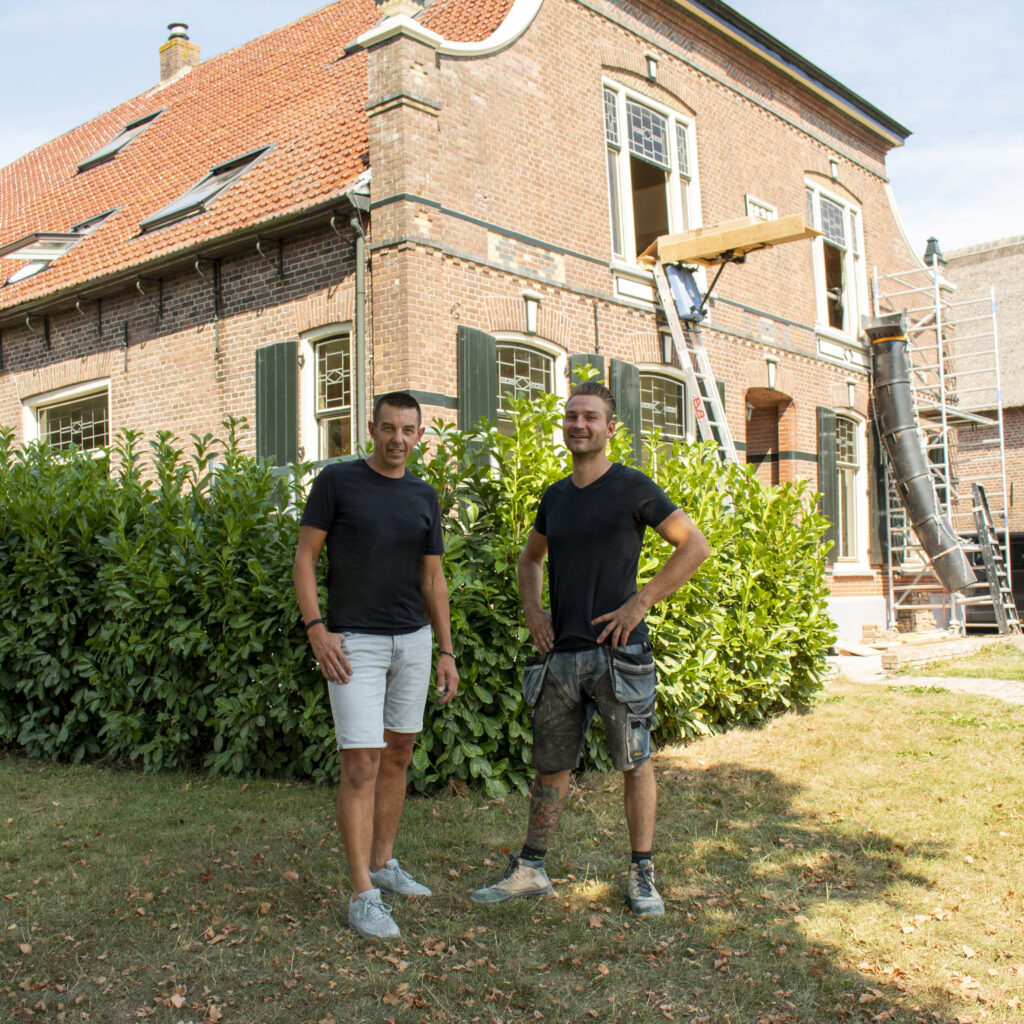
(897, 426)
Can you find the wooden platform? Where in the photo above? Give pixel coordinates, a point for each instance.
(729, 241)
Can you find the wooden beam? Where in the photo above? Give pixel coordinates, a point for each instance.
(730, 240)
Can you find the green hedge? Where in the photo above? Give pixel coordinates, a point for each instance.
(148, 616)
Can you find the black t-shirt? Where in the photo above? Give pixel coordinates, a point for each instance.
(378, 530)
(594, 536)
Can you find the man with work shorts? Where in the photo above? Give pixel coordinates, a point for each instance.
(385, 589)
(590, 526)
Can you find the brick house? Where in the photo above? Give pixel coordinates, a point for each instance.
(998, 267)
(450, 197)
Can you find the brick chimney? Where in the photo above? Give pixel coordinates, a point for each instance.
(177, 55)
(388, 8)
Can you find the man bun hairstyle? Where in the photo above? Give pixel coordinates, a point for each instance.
(397, 400)
(595, 387)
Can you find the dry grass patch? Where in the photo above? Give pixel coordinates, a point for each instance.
(858, 863)
(995, 661)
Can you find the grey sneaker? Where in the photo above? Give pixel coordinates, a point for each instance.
(371, 917)
(395, 879)
(644, 899)
(522, 878)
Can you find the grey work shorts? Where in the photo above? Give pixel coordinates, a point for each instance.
(619, 684)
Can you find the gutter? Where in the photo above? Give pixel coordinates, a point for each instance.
(224, 245)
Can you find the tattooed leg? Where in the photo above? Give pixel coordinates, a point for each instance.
(547, 801)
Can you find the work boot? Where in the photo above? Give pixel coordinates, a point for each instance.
(522, 878)
(644, 899)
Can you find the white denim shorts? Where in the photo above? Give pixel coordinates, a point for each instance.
(387, 688)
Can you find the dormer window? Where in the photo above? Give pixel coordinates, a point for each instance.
(202, 194)
(38, 251)
(118, 142)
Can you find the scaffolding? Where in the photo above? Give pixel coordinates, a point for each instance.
(954, 357)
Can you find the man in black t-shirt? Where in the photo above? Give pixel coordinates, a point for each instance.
(385, 589)
(590, 526)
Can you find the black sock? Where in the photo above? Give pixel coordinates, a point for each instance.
(639, 855)
(532, 853)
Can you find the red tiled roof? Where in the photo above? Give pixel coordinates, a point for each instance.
(467, 21)
(293, 89)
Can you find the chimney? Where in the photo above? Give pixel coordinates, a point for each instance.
(389, 8)
(177, 55)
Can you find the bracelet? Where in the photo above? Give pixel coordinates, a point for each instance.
(313, 622)
(451, 654)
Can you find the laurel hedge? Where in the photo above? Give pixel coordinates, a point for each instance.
(147, 617)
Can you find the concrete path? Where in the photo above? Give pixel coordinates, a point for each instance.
(869, 670)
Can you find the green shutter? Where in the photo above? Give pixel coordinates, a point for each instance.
(878, 535)
(478, 377)
(581, 359)
(277, 402)
(624, 384)
(828, 475)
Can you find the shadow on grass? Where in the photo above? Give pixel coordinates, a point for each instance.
(754, 929)
(168, 899)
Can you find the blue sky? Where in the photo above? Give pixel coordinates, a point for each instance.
(954, 75)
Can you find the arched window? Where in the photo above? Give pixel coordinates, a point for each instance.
(523, 372)
(663, 406)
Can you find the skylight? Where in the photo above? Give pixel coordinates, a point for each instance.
(200, 195)
(118, 142)
(39, 249)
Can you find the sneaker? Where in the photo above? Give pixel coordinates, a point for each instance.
(523, 878)
(369, 916)
(395, 879)
(644, 899)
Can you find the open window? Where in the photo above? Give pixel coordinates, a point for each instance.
(118, 142)
(838, 269)
(37, 251)
(649, 177)
(202, 194)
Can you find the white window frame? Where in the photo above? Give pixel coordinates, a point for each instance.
(759, 208)
(558, 357)
(856, 563)
(682, 187)
(309, 422)
(32, 406)
(671, 373)
(855, 285)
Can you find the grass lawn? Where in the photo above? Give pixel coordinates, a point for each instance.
(857, 863)
(997, 661)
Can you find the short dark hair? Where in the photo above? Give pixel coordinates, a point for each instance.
(595, 387)
(397, 400)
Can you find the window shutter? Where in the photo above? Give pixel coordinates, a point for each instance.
(580, 359)
(624, 384)
(827, 475)
(715, 432)
(478, 377)
(878, 533)
(277, 402)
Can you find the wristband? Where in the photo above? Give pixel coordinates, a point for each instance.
(451, 654)
(313, 622)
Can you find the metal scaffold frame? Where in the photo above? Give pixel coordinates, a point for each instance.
(954, 359)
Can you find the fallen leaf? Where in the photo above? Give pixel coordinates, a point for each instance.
(594, 921)
(26, 948)
(291, 875)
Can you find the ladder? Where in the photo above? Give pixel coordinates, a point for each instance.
(995, 567)
(681, 300)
